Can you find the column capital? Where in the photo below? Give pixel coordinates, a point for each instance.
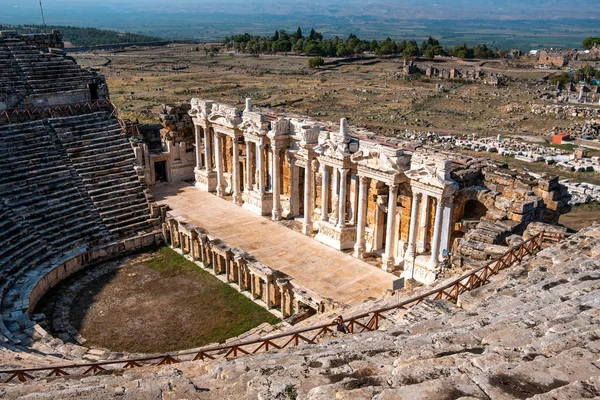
(363, 179)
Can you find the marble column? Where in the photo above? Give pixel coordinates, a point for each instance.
(214, 262)
(249, 172)
(307, 226)
(219, 162)
(342, 202)
(325, 194)
(282, 297)
(359, 247)
(227, 269)
(295, 183)
(260, 166)
(268, 293)
(388, 256)
(423, 233)
(414, 216)
(207, 151)
(192, 250)
(437, 233)
(446, 227)
(276, 176)
(237, 195)
(252, 286)
(198, 146)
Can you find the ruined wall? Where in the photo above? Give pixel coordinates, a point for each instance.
(513, 200)
(177, 134)
(552, 59)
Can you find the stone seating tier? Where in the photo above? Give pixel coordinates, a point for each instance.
(94, 145)
(70, 186)
(25, 70)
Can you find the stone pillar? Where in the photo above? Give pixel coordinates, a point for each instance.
(237, 195)
(294, 195)
(214, 262)
(359, 247)
(198, 144)
(446, 227)
(268, 293)
(239, 273)
(354, 189)
(388, 256)
(276, 177)
(422, 234)
(252, 286)
(249, 172)
(181, 245)
(325, 194)
(227, 269)
(307, 227)
(207, 151)
(282, 297)
(260, 166)
(342, 201)
(437, 233)
(334, 183)
(414, 216)
(192, 250)
(219, 162)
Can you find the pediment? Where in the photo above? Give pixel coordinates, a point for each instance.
(426, 176)
(218, 118)
(379, 161)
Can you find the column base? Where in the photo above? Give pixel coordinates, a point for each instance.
(421, 270)
(388, 264)
(276, 214)
(206, 180)
(307, 229)
(258, 203)
(338, 237)
(359, 252)
(237, 199)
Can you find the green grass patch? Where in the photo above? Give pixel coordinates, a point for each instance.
(161, 302)
(230, 313)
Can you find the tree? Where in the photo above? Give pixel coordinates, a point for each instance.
(411, 50)
(590, 42)
(586, 73)
(386, 47)
(298, 33)
(315, 62)
(562, 78)
(275, 37)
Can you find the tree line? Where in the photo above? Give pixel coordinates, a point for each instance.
(584, 74)
(84, 36)
(314, 44)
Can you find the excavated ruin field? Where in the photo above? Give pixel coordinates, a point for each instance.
(370, 92)
(157, 302)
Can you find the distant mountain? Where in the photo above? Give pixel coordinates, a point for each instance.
(499, 23)
(84, 36)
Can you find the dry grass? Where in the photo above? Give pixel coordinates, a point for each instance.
(581, 216)
(368, 92)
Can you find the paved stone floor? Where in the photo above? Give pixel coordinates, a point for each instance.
(312, 265)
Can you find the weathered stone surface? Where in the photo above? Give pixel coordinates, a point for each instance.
(533, 332)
